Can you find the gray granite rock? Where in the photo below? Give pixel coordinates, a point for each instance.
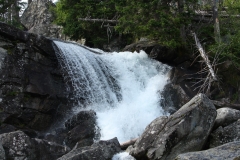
(18, 146)
(225, 134)
(184, 131)
(103, 150)
(38, 18)
(229, 151)
(226, 116)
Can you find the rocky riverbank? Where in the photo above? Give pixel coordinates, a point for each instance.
(33, 97)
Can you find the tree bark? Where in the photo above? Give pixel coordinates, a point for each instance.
(216, 22)
(125, 145)
(182, 28)
(29, 1)
(219, 104)
(205, 58)
(15, 11)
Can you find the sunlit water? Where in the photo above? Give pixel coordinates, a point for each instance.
(123, 88)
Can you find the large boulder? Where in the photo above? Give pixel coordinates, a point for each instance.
(184, 131)
(226, 116)
(103, 150)
(82, 129)
(229, 151)
(32, 89)
(38, 18)
(225, 134)
(18, 145)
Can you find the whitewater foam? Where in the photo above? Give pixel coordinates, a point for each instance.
(123, 88)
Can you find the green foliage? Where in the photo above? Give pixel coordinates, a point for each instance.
(68, 14)
(158, 20)
(9, 12)
(229, 46)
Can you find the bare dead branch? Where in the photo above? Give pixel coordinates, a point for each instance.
(219, 104)
(125, 145)
(205, 57)
(98, 20)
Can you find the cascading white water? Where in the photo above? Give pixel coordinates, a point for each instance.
(123, 88)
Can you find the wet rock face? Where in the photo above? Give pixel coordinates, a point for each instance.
(31, 85)
(103, 150)
(18, 145)
(82, 129)
(184, 131)
(38, 19)
(227, 151)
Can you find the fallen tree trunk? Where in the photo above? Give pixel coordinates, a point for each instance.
(219, 104)
(125, 145)
(205, 58)
(98, 20)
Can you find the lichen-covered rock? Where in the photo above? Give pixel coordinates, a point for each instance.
(32, 89)
(18, 145)
(38, 19)
(226, 116)
(229, 151)
(184, 131)
(2, 152)
(103, 150)
(225, 134)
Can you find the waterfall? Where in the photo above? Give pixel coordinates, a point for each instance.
(123, 88)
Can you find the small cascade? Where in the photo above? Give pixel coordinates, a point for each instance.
(123, 88)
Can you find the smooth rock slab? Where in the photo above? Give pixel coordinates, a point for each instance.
(229, 151)
(226, 116)
(184, 131)
(103, 150)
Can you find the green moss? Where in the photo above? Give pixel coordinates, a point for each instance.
(12, 93)
(234, 97)
(26, 97)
